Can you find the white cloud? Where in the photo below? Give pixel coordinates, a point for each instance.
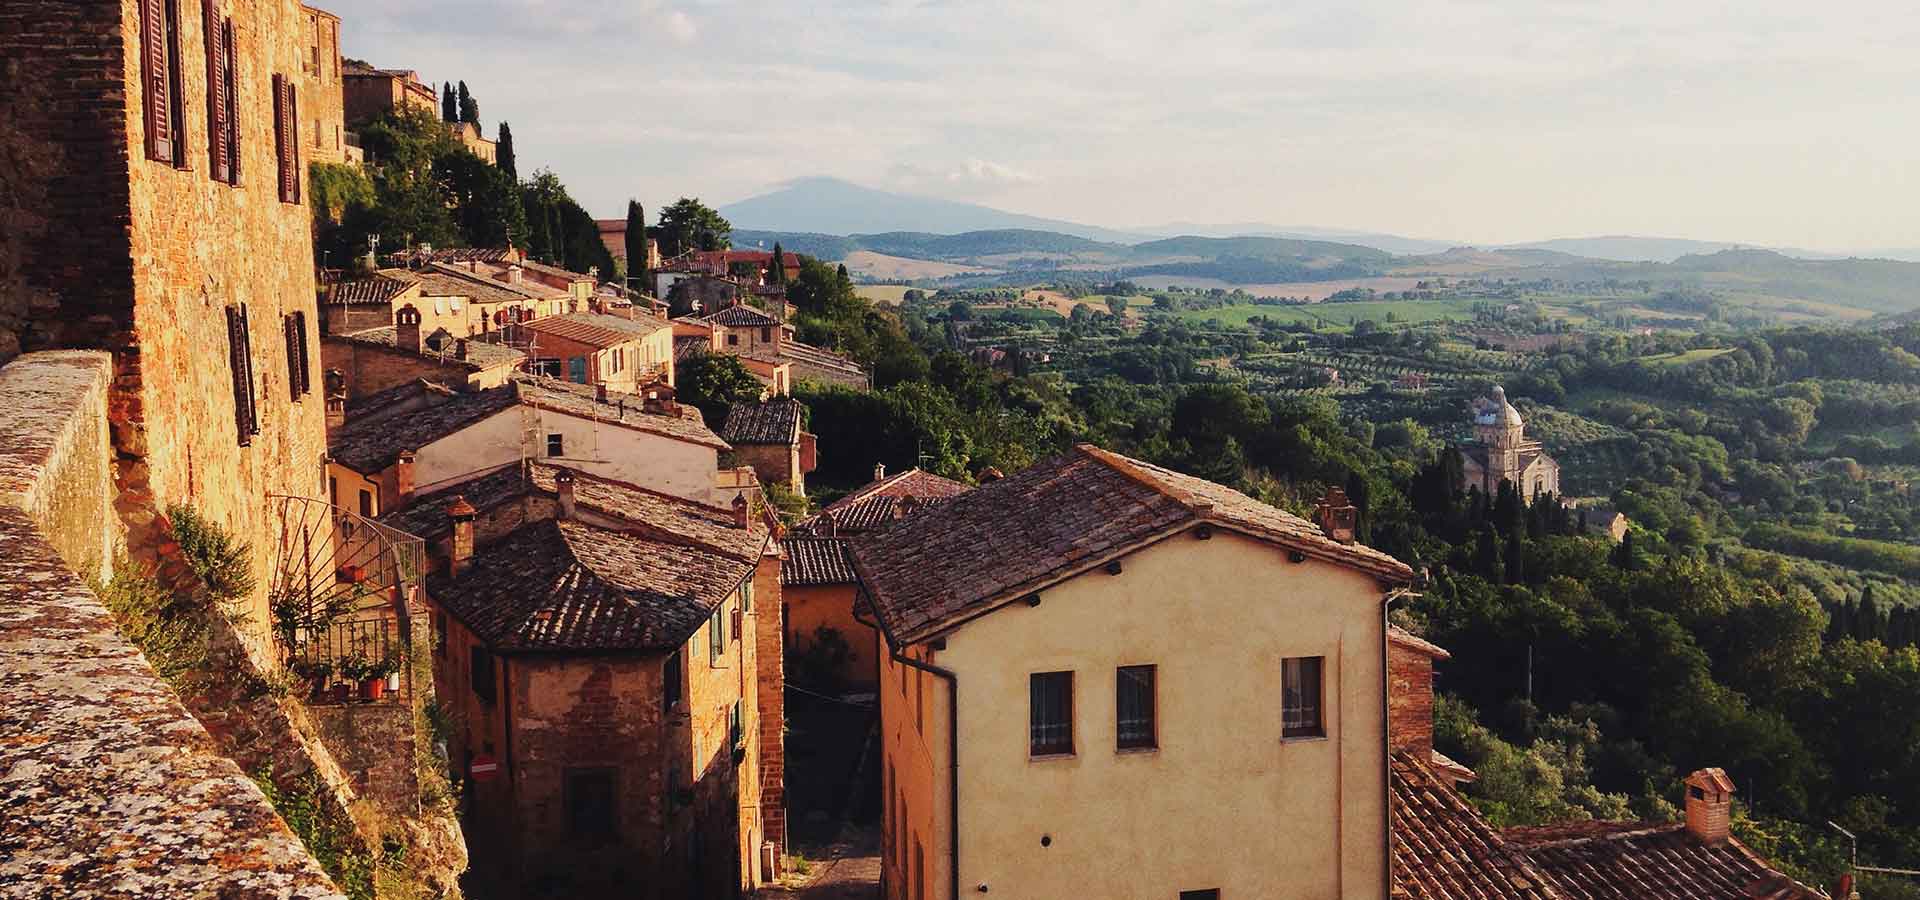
(681, 27)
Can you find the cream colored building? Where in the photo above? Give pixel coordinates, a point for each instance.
(1501, 452)
(1164, 688)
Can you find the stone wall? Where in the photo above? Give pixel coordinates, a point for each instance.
(110, 787)
(1409, 698)
(771, 683)
(322, 101)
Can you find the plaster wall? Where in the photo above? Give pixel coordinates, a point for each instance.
(609, 451)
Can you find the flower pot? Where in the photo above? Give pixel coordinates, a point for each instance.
(342, 692)
(373, 688)
(317, 688)
(393, 682)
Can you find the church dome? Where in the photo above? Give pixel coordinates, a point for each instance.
(1498, 411)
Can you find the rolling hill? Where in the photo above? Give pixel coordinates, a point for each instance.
(832, 206)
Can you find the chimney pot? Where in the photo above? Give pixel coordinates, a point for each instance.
(406, 329)
(403, 476)
(563, 489)
(829, 526)
(742, 510)
(1709, 805)
(991, 473)
(1337, 518)
(460, 349)
(879, 471)
(461, 513)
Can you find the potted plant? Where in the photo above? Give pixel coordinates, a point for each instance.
(352, 671)
(393, 675)
(373, 677)
(316, 673)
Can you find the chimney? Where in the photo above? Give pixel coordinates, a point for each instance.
(403, 476)
(905, 506)
(406, 329)
(461, 513)
(1410, 692)
(742, 510)
(879, 471)
(991, 473)
(336, 411)
(460, 349)
(600, 392)
(563, 488)
(1336, 517)
(513, 274)
(829, 526)
(1709, 805)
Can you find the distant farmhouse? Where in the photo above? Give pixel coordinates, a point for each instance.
(1501, 452)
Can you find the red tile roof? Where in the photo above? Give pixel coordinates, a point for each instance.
(597, 329)
(871, 505)
(567, 585)
(739, 316)
(1012, 536)
(377, 288)
(1639, 861)
(813, 561)
(1444, 850)
(1416, 643)
(775, 421)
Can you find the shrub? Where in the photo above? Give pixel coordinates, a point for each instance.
(222, 562)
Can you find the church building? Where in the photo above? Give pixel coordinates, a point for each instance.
(1500, 452)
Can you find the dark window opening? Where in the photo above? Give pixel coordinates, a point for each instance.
(556, 445)
(670, 678)
(482, 665)
(1050, 731)
(366, 504)
(1134, 725)
(592, 804)
(1208, 894)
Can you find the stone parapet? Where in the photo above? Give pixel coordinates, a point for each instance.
(110, 788)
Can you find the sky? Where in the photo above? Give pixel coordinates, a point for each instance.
(1778, 123)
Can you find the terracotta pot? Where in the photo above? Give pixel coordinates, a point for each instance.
(342, 692)
(373, 688)
(317, 688)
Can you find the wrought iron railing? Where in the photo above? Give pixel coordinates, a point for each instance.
(339, 593)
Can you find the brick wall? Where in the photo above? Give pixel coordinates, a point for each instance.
(369, 370)
(771, 684)
(774, 463)
(322, 100)
(1409, 699)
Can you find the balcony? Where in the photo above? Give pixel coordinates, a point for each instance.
(342, 597)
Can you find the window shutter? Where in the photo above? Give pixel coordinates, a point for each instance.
(286, 138)
(158, 79)
(295, 328)
(233, 102)
(217, 132)
(306, 364)
(240, 360)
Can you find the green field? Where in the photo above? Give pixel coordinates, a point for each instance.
(1339, 316)
(1684, 358)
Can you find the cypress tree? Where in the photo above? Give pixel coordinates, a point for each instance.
(1486, 555)
(1360, 495)
(449, 107)
(1869, 626)
(504, 154)
(636, 246)
(1623, 555)
(469, 107)
(777, 268)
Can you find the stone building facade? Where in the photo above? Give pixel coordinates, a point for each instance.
(155, 210)
(369, 92)
(322, 97)
(1501, 452)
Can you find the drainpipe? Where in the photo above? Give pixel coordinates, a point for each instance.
(1386, 722)
(953, 743)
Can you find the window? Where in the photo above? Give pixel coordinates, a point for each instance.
(716, 635)
(366, 504)
(590, 803)
(1133, 706)
(1050, 731)
(746, 595)
(299, 381)
(1208, 894)
(286, 137)
(766, 334)
(556, 445)
(439, 306)
(160, 75)
(736, 726)
(246, 418)
(1300, 714)
(549, 367)
(223, 129)
(670, 678)
(733, 339)
(482, 670)
(577, 369)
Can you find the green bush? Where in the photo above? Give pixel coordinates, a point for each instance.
(221, 561)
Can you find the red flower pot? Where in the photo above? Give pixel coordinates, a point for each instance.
(373, 688)
(342, 692)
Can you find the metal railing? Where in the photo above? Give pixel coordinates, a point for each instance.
(339, 592)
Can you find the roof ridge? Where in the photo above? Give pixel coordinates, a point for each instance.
(1647, 829)
(1132, 469)
(675, 498)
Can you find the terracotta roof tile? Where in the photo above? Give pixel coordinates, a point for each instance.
(566, 585)
(1444, 850)
(811, 363)
(440, 347)
(1639, 861)
(815, 561)
(370, 445)
(1417, 643)
(377, 288)
(871, 505)
(619, 408)
(741, 316)
(596, 329)
(1019, 533)
(775, 421)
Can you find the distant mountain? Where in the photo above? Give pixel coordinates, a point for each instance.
(833, 206)
(1391, 243)
(1632, 248)
(1259, 248)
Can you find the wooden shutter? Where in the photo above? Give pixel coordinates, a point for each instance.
(233, 101)
(218, 150)
(298, 366)
(286, 125)
(240, 359)
(157, 75)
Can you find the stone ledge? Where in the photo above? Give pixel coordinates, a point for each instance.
(55, 462)
(108, 787)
